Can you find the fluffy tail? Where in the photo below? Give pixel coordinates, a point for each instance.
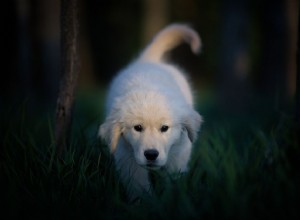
(169, 38)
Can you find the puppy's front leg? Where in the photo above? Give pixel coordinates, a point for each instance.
(133, 177)
(179, 155)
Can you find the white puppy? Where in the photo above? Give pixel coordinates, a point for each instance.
(151, 122)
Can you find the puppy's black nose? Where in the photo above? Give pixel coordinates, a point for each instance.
(151, 154)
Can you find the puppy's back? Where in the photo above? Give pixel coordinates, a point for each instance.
(150, 70)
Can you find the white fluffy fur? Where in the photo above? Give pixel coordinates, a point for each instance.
(152, 93)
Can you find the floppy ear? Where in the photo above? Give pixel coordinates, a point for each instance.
(192, 123)
(110, 131)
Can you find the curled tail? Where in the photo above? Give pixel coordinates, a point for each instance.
(169, 38)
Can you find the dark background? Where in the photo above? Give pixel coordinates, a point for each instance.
(245, 163)
(248, 59)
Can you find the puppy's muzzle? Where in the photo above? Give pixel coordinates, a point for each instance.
(151, 155)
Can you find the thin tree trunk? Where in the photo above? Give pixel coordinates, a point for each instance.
(70, 72)
(273, 76)
(298, 77)
(233, 85)
(156, 16)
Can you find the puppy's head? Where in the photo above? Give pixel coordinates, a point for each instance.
(149, 127)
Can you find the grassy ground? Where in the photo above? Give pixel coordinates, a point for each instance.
(240, 169)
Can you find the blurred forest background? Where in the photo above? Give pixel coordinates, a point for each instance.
(245, 162)
(248, 59)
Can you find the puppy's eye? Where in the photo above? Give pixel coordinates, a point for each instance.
(138, 128)
(164, 128)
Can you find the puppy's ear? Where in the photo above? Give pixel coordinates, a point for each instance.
(192, 123)
(110, 131)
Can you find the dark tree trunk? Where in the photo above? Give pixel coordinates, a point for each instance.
(156, 16)
(70, 72)
(298, 78)
(273, 77)
(233, 88)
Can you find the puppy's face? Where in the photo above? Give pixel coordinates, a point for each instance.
(151, 138)
(150, 126)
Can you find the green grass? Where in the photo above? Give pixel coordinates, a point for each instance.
(237, 171)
